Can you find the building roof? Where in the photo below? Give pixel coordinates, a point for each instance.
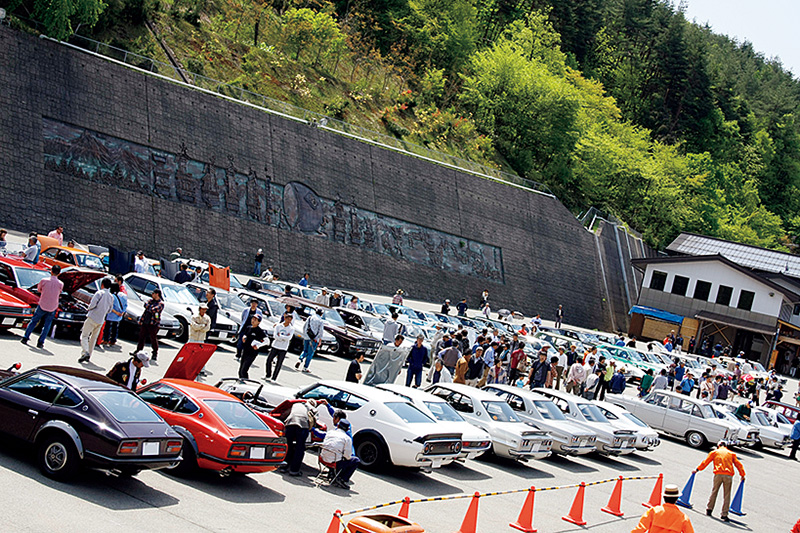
(657, 314)
(735, 322)
(789, 294)
(743, 254)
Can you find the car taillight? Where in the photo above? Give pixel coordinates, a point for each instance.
(278, 453)
(427, 449)
(174, 446)
(129, 447)
(238, 450)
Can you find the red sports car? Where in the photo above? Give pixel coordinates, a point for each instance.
(220, 431)
(14, 313)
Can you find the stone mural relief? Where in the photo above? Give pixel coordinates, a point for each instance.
(219, 185)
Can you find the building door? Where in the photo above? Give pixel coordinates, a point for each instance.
(743, 343)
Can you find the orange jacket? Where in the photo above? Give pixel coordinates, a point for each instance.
(724, 461)
(665, 518)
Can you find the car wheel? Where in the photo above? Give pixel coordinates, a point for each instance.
(183, 330)
(58, 457)
(695, 439)
(189, 462)
(758, 445)
(342, 349)
(370, 452)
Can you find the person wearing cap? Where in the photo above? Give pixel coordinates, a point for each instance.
(337, 448)
(724, 462)
(149, 323)
(247, 315)
(200, 324)
(323, 298)
(258, 262)
(253, 339)
(665, 518)
(127, 373)
(446, 307)
(335, 299)
(140, 265)
(282, 335)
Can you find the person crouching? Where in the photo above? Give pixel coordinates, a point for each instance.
(337, 449)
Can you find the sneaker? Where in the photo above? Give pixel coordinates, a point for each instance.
(295, 474)
(708, 512)
(307, 371)
(340, 483)
(40, 346)
(84, 358)
(23, 340)
(154, 358)
(725, 519)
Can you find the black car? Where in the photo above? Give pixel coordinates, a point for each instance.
(75, 417)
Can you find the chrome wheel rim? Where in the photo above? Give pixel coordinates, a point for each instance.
(55, 456)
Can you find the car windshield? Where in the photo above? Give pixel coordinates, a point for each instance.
(762, 419)
(443, 412)
(178, 294)
(499, 411)
(235, 414)
(592, 413)
(634, 356)
(759, 367)
(230, 300)
(548, 410)
(373, 323)
(235, 283)
(409, 413)
(381, 309)
(276, 308)
(30, 277)
(333, 317)
(632, 418)
(89, 261)
(125, 406)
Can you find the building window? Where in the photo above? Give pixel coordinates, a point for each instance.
(701, 290)
(724, 295)
(746, 300)
(658, 281)
(679, 285)
(796, 310)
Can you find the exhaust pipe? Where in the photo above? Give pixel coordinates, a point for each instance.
(225, 472)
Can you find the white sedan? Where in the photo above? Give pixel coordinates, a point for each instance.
(611, 440)
(774, 428)
(474, 440)
(539, 411)
(386, 428)
(511, 437)
(646, 437)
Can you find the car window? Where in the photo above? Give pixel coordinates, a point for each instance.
(762, 419)
(608, 414)
(69, 398)
(500, 411)
(408, 413)
(515, 402)
(235, 414)
(30, 277)
(125, 406)
(332, 316)
(198, 292)
(337, 398)
(696, 412)
(178, 294)
(443, 412)
(592, 413)
(38, 386)
(167, 398)
(548, 410)
(460, 403)
(561, 404)
(89, 261)
(137, 283)
(6, 276)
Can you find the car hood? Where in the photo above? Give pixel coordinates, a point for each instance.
(76, 278)
(190, 360)
(10, 300)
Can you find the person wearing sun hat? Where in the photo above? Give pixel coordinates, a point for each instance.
(665, 518)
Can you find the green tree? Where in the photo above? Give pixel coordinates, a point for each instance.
(58, 16)
(298, 30)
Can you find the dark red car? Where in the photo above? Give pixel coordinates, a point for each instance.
(221, 432)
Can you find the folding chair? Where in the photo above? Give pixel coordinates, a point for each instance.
(327, 470)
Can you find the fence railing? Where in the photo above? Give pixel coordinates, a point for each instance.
(235, 92)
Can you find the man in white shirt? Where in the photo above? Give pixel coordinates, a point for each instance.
(560, 366)
(391, 329)
(31, 253)
(99, 307)
(282, 335)
(661, 381)
(140, 265)
(337, 449)
(576, 377)
(323, 298)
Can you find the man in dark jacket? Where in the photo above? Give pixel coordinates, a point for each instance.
(183, 275)
(253, 339)
(416, 359)
(213, 306)
(127, 373)
(539, 371)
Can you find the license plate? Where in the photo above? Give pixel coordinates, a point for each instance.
(162, 332)
(582, 442)
(624, 444)
(150, 448)
(223, 335)
(258, 452)
(535, 447)
(9, 321)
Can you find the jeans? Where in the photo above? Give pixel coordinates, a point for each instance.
(346, 467)
(296, 447)
(309, 347)
(39, 315)
(111, 331)
(257, 269)
(416, 374)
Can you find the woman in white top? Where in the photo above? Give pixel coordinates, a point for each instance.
(282, 335)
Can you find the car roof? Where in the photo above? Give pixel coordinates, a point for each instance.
(359, 389)
(359, 312)
(79, 377)
(533, 395)
(16, 261)
(203, 286)
(466, 390)
(199, 390)
(150, 277)
(413, 393)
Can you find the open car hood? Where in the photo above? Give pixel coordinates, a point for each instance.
(190, 360)
(10, 300)
(75, 278)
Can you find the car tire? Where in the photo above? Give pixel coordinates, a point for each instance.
(342, 349)
(371, 452)
(57, 456)
(188, 464)
(695, 439)
(183, 330)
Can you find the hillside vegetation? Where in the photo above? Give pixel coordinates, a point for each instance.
(618, 104)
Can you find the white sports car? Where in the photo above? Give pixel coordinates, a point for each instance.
(540, 412)
(511, 437)
(646, 437)
(474, 440)
(386, 428)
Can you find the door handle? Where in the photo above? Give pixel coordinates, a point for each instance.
(33, 413)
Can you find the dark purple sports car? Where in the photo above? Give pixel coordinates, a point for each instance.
(74, 417)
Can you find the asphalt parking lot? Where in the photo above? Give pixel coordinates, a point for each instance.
(155, 501)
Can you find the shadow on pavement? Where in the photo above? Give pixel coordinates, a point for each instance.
(462, 472)
(527, 470)
(612, 462)
(236, 488)
(414, 480)
(570, 465)
(636, 458)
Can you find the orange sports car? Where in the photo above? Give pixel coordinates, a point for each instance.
(383, 523)
(70, 257)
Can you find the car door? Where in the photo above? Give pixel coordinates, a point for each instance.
(24, 402)
(677, 417)
(652, 410)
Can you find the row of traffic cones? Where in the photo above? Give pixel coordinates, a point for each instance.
(525, 521)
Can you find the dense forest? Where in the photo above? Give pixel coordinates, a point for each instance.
(623, 105)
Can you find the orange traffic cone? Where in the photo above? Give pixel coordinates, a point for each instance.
(614, 501)
(525, 520)
(470, 523)
(334, 527)
(655, 497)
(404, 508)
(576, 511)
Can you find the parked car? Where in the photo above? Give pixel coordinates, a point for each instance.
(74, 417)
(383, 523)
(646, 437)
(749, 433)
(14, 312)
(220, 431)
(386, 428)
(181, 303)
(348, 339)
(511, 437)
(474, 440)
(540, 412)
(791, 412)
(774, 428)
(691, 419)
(66, 257)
